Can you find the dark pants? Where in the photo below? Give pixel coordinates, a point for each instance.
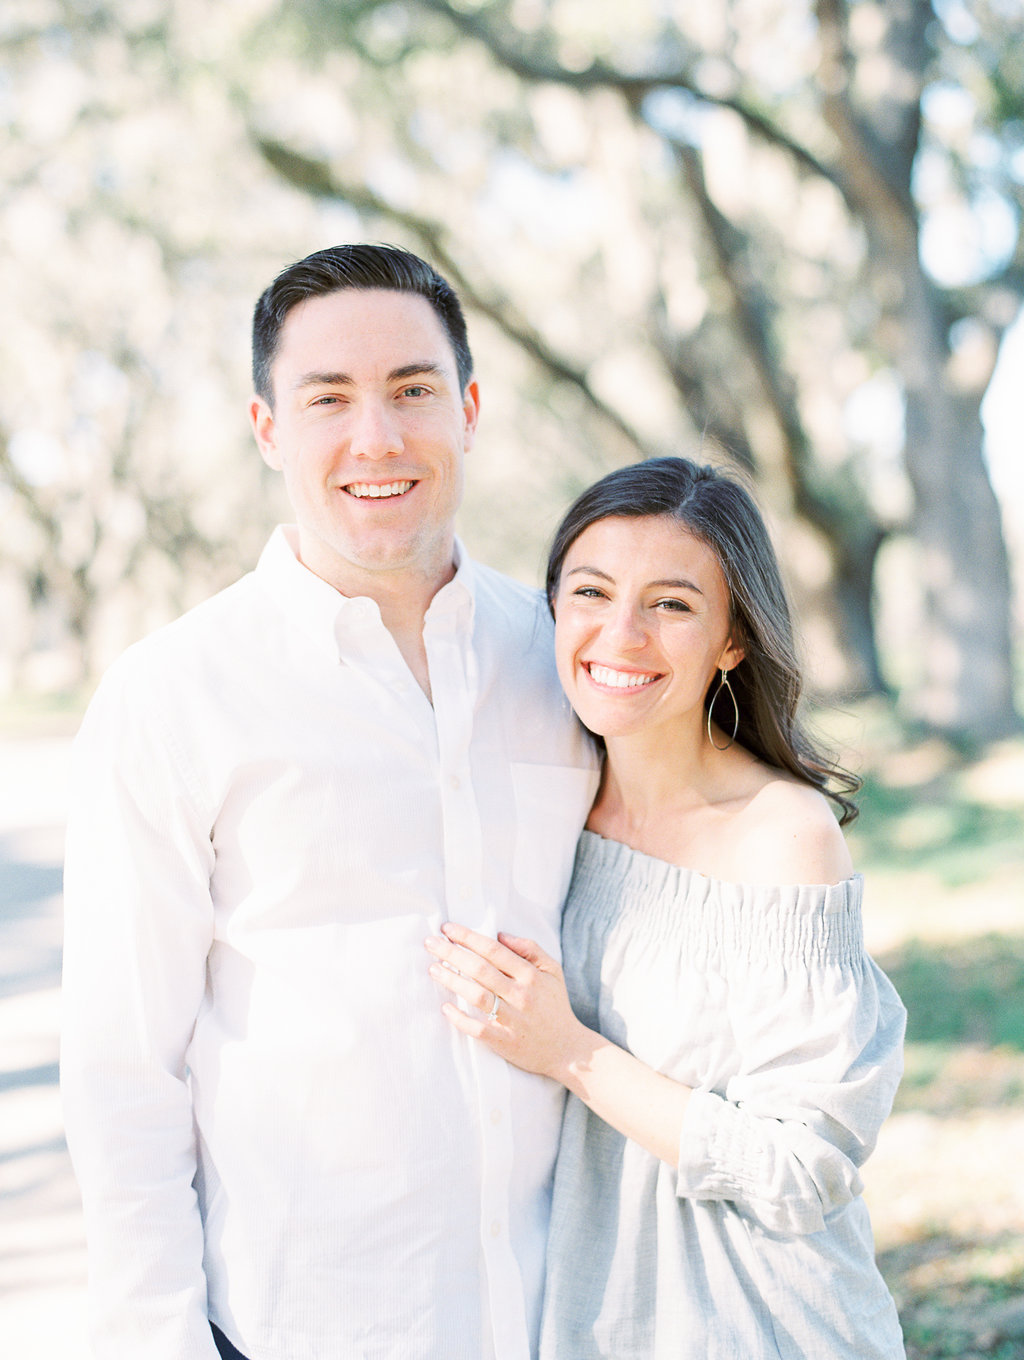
(228, 1352)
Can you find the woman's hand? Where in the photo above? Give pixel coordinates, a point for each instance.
(534, 1027)
(525, 1015)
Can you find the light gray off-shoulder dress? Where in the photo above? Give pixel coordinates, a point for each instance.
(758, 1245)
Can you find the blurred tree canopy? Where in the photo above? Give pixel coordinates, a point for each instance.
(786, 233)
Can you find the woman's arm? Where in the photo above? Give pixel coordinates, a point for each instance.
(820, 1058)
(535, 1029)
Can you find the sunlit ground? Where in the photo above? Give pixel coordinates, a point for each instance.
(42, 1259)
(942, 846)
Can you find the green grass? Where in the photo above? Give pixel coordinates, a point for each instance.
(959, 1298)
(957, 837)
(943, 837)
(967, 992)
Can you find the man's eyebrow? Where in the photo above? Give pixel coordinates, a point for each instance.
(670, 583)
(413, 370)
(322, 380)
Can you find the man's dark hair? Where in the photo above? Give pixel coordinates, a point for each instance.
(356, 266)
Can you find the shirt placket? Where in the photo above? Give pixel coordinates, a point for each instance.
(453, 682)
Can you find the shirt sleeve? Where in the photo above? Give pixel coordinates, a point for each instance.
(138, 928)
(820, 1058)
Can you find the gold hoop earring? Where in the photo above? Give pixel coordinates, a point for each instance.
(724, 684)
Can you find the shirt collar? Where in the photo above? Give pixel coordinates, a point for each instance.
(457, 599)
(329, 617)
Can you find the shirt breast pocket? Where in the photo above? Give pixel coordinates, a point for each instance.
(552, 802)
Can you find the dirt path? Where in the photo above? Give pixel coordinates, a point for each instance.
(42, 1252)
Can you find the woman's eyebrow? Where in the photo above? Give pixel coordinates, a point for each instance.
(678, 585)
(590, 571)
(670, 583)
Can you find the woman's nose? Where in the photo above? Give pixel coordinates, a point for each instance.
(625, 627)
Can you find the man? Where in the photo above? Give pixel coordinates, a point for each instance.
(277, 798)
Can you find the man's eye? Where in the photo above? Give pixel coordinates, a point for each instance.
(417, 390)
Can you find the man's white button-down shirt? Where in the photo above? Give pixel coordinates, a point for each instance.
(272, 1123)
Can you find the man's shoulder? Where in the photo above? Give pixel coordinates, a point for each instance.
(510, 600)
(204, 633)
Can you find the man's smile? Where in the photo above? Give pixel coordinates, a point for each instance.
(375, 491)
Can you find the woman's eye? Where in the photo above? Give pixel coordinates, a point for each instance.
(589, 592)
(674, 606)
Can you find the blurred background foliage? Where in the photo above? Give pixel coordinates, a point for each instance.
(782, 233)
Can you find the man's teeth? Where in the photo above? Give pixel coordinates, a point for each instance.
(378, 492)
(619, 679)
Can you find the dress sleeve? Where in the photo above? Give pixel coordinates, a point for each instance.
(818, 1029)
(138, 928)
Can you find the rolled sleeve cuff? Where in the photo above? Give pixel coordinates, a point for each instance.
(726, 1154)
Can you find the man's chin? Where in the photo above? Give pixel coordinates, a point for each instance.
(356, 562)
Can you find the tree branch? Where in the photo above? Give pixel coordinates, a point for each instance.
(26, 493)
(848, 526)
(316, 177)
(694, 387)
(875, 194)
(538, 69)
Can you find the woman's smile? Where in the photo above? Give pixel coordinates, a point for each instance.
(610, 677)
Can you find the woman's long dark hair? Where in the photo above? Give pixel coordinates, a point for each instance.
(718, 510)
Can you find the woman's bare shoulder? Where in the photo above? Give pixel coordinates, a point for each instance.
(788, 833)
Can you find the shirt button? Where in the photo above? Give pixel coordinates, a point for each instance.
(465, 892)
(495, 1116)
(455, 782)
(495, 1229)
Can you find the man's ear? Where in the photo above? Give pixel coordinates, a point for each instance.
(470, 413)
(262, 419)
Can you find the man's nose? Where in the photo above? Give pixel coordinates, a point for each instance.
(374, 431)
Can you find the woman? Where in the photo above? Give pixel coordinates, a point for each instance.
(729, 1048)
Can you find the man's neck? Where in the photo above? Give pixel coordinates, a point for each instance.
(403, 597)
(403, 605)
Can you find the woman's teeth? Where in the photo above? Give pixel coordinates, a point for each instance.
(604, 675)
